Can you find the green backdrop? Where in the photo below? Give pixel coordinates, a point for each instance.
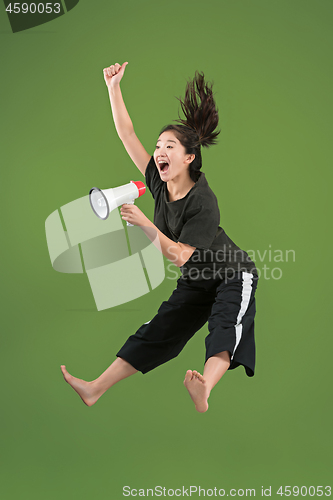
(271, 171)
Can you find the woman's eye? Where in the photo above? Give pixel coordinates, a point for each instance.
(169, 147)
(157, 147)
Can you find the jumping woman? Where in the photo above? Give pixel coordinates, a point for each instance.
(218, 280)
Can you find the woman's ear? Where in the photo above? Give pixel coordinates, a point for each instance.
(190, 158)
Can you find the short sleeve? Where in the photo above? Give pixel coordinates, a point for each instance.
(201, 226)
(153, 179)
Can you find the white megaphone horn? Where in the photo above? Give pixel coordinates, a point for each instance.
(104, 201)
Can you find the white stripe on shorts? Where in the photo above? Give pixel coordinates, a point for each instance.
(246, 295)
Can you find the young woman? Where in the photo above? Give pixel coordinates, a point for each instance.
(218, 279)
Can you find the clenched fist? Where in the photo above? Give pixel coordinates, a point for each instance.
(113, 74)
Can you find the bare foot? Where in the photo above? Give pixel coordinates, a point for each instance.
(86, 390)
(198, 390)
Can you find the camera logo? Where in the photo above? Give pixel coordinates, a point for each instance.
(25, 15)
(120, 262)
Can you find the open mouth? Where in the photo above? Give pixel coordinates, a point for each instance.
(164, 166)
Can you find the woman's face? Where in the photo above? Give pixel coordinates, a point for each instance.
(171, 159)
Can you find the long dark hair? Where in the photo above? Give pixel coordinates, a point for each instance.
(200, 123)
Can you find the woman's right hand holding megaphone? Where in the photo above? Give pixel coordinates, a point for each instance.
(113, 74)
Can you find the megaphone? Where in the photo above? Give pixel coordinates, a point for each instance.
(103, 201)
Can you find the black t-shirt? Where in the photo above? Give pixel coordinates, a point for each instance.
(195, 220)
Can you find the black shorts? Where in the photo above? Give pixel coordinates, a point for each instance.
(228, 306)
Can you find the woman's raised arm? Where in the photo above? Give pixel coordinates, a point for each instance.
(122, 120)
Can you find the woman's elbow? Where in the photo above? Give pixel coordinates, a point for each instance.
(184, 255)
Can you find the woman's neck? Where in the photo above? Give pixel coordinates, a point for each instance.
(178, 190)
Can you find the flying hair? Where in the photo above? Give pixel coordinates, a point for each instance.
(199, 127)
(200, 111)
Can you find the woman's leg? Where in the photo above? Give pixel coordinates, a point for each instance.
(155, 342)
(199, 386)
(231, 331)
(90, 392)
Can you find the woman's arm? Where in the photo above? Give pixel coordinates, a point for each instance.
(122, 120)
(178, 253)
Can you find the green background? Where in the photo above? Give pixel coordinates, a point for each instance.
(271, 171)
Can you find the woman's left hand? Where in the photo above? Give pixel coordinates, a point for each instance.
(133, 215)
